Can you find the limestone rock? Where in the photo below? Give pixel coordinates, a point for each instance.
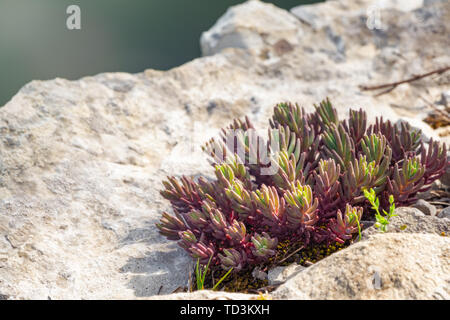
(253, 26)
(279, 275)
(387, 266)
(412, 220)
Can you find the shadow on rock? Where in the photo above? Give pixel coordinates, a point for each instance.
(161, 270)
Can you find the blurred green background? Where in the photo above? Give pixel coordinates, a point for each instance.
(115, 35)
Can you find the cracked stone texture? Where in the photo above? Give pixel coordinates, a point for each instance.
(82, 161)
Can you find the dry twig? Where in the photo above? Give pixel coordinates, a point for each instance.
(290, 255)
(391, 86)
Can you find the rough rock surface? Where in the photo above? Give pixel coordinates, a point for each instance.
(412, 220)
(386, 266)
(82, 161)
(279, 275)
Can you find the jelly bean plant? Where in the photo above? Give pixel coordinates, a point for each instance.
(311, 182)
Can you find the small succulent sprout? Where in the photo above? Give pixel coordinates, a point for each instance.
(188, 239)
(242, 144)
(407, 181)
(406, 139)
(238, 169)
(285, 140)
(383, 127)
(327, 115)
(326, 186)
(362, 170)
(434, 161)
(288, 170)
(264, 245)
(375, 148)
(294, 117)
(198, 219)
(236, 233)
(203, 252)
(339, 145)
(291, 169)
(184, 196)
(219, 223)
(360, 174)
(217, 150)
(232, 258)
(357, 125)
(294, 132)
(301, 207)
(329, 171)
(243, 125)
(211, 192)
(348, 223)
(403, 140)
(171, 225)
(225, 175)
(239, 197)
(269, 204)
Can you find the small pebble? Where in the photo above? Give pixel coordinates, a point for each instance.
(425, 207)
(258, 274)
(445, 213)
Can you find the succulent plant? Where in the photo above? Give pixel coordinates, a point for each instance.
(319, 168)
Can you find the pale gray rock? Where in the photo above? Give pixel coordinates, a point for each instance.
(307, 15)
(425, 207)
(445, 213)
(412, 220)
(386, 266)
(445, 98)
(257, 273)
(280, 274)
(253, 26)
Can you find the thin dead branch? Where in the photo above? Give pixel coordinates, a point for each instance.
(391, 86)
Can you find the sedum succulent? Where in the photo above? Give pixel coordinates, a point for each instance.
(304, 184)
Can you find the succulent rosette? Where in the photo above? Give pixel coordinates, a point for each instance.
(305, 183)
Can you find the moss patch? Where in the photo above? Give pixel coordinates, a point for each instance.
(287, 253)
